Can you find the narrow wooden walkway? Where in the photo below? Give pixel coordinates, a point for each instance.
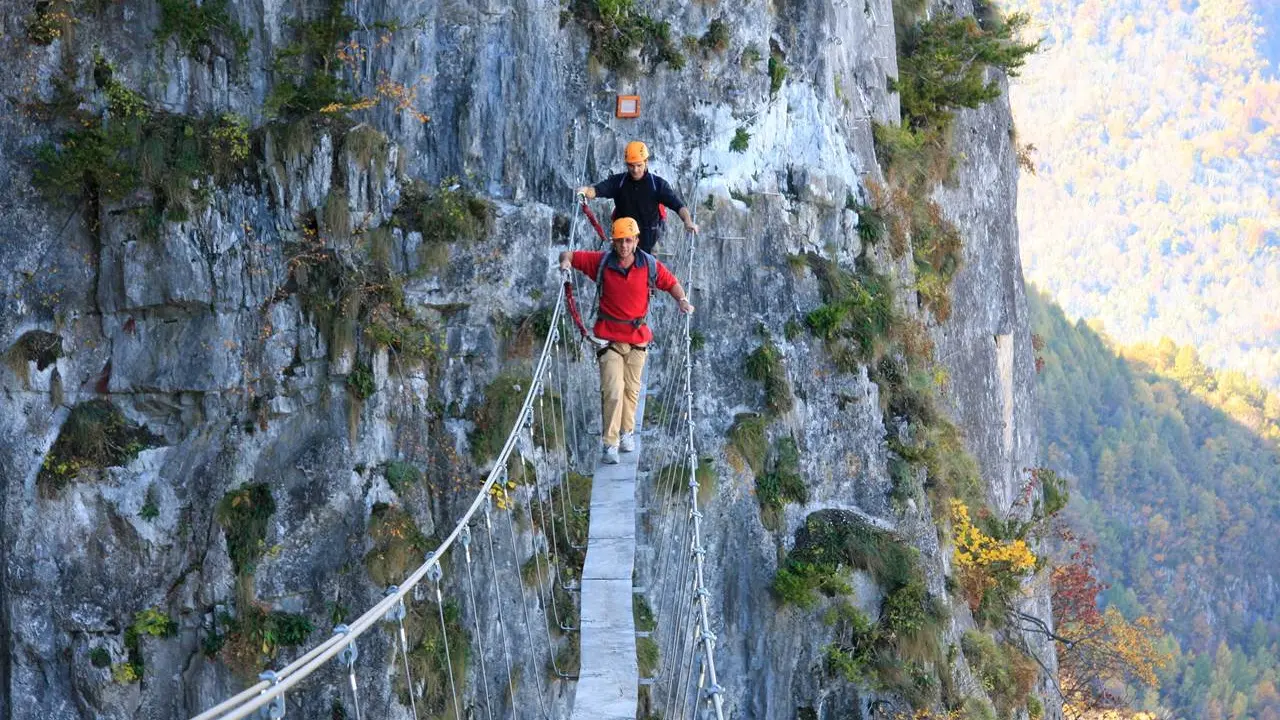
(607, 683)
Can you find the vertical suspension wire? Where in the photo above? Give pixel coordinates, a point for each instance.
(549, 577)
(676, 551)
(669, 389)
(348, 657)
(524, 608)
(689, 693)
(436, 573)
(583, 409)
(670, 585)
(475, 616)
(560, 430)
(548, 531)
(408, 678)
(566, 492)
(571, 432)
(673, 583)
(685, 593)
(672, 535)
(688, 662)
(576, 283)
(683, 624)
(681, 632)
(550, 542)
(676, 594)
(397, 615)
(558, 368)
(502, 623)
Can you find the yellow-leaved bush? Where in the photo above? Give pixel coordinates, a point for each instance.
(983, 562)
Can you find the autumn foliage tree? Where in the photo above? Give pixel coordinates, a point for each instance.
(986, 564)
(1100, 652)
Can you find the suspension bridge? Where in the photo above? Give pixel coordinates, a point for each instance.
(643, 637)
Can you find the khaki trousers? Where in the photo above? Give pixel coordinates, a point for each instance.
(621, 366)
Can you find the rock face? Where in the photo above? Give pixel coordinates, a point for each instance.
(200, 330)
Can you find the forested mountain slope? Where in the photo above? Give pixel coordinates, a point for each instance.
(1156, 200)
(1175, 478)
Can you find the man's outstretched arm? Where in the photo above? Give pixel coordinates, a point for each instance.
(689, 224)
(667, 196)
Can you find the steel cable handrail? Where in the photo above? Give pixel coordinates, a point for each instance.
(266, 690)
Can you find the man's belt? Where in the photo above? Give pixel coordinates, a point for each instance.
(636, 323)
(614, 347)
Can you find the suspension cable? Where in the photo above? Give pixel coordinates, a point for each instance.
(264, 692)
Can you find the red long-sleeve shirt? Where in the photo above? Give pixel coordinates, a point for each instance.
(625, 294)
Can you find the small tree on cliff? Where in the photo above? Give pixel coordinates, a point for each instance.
(1100, 652)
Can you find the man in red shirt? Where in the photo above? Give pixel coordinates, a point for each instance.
(620, 320)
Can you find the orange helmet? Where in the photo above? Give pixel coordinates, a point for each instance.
(625, 228)
(636, 152)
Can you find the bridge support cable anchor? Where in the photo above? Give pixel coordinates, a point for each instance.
(348, 657)
(397, 615)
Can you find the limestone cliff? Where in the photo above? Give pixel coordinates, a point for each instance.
(202, 307)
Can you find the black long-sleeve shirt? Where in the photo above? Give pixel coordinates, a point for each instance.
(639, 199)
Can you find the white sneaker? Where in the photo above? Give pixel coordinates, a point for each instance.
(610, 455)
(627, 443)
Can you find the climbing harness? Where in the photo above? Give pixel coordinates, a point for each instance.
(651, 265)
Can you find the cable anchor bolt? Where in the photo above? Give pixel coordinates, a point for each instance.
(275, 709)
(397, 613)
(436, 574)
(465, 537)
(350, 653)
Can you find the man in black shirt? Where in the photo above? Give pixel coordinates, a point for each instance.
(638, 193)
